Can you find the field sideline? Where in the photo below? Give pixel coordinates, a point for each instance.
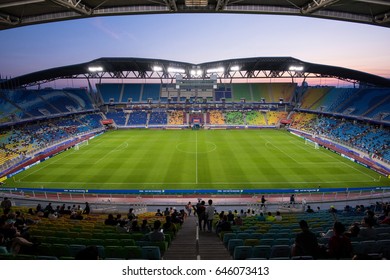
(205, 159)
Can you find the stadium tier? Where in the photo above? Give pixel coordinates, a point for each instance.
(31, 104)
(42, 118)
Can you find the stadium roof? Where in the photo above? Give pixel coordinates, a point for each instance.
(241, 68)
(14, 13)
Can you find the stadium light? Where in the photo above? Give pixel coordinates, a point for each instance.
(176, 70)
(157, 68)
(95, 69)
(196, 72)
(235, 68)
(296, 68)
(216, 70)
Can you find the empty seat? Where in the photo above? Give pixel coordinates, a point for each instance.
(280, 251)
(233, 243)
(242, 252)
(114, 252)
(75, 248)
(251, 242)
(151, 253)
(227, 236)
(261, 251)
(133, 252)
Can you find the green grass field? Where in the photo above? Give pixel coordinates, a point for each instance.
(205, 159)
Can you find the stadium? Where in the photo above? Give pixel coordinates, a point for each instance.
(151, 134)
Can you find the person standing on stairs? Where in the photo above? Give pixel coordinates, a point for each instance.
(210, 210)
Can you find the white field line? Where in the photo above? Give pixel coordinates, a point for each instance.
(39, 169)
(192, 183)
(196, 157)
(269, 142)
(118, 148)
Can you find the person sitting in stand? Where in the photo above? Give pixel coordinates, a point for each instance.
(269, 217)
(156, 235)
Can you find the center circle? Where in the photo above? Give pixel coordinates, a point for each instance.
(192, 147)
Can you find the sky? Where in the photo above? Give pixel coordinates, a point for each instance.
(195, 38)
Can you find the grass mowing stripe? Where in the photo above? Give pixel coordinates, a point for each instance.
(157, 159)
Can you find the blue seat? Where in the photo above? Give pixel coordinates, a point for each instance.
(227, 236)
(280, 251)
(242, 252)
(151, 253)
(261, 251)
(233, 243)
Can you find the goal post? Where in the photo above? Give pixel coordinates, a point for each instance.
(81, 144)
(312, 144)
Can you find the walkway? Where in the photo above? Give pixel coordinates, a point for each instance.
(184, 246)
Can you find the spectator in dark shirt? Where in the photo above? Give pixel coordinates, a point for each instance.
(306, 243)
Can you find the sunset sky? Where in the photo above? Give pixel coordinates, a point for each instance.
(195, 38)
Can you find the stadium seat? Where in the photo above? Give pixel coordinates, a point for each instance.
(151, 253)
(251, 242)
(280, 251)
(133, 252)
(227, 236)
(233, 243)
(266, 241)
(242, 252)
(75, 248)
(60, 250)
(261, 251)
(115, 252)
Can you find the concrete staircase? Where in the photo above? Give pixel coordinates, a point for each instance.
(190, 244)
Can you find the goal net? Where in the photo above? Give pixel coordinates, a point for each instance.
(81, 144)
(312, 144)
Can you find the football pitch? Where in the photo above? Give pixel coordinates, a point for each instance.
(204, 159)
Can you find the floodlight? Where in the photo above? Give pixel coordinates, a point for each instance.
(196, 72)
(157, 68)
(95, 69)
(176, 70)
(235, 68)
(296, 68)
(216, 70)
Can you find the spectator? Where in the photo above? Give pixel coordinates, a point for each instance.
(367, 231)
(223, 225)
(261, 217)
(278, 217)
(306, 243)
(353, 231)
(110, 221)
(269, 217)
(238, 221)
(131, 216)
(339, 245)
(210, 209)
(309, 210)
(156, 234)
(201, 213)
(158, 213)
(168, 226)
(292, 199)
(145, 227)
(6, 205)
(87, 209)
(189, 208)
(230, 217)
(263, 201)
